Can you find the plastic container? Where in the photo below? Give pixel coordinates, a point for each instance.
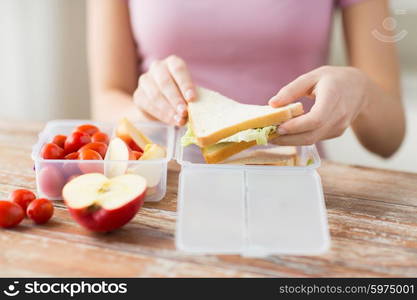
(251, 210)
(51, 175)
(222, 209)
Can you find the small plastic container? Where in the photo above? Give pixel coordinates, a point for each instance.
(51, 175)
(251, 210)
(222, 209)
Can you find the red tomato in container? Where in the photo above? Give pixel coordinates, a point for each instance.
(72, 155)
(90, 167)
(101, 148)
(100, 137)
(59, 140)
(87, 128)
(76, 140)
(52, 151)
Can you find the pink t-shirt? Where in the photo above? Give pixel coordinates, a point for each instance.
(245, 49)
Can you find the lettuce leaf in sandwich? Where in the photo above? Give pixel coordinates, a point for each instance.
(260, 135)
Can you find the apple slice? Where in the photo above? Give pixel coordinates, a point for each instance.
(116, 159)
(101, 204)
(153, 151)
(152, 172)
(133, 137)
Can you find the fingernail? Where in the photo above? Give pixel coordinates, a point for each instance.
(181, 108)
(189, 95)
(177, 119)
(282, 131)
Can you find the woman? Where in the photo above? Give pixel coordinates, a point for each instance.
(146, 56)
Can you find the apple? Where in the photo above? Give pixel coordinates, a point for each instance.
(134, 155)
(153, 151)
(104, 204)
(132, 136)
(116, 160)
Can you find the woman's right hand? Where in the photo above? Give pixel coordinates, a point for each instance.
(163, 91)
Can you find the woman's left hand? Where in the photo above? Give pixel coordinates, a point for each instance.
(340, 93)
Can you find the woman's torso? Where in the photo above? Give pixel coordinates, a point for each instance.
(246, 50)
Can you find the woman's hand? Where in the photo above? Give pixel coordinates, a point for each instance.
(164, 90)
(340, 93)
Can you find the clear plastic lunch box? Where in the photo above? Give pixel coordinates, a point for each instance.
(225, 209)
(51, 175)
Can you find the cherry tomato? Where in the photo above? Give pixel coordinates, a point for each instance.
(40, 210)
(88, 154)
(76, 140)
(100, 137)
(71, 168)
(72, 155)
(51, 181)
(101, 148)
(87, 128)
(134, 155)
(11, 214)
(22, 197)
(59, 140)
(52, 151)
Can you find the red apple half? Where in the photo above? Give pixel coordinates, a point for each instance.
(101, 204)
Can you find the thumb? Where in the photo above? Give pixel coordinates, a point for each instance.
(300, 87)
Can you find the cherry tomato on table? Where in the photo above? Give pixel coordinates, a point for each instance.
(40, 210)
(22, 197)
(11, 214)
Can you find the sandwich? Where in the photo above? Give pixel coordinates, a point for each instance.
(222, 127)
(275, 156)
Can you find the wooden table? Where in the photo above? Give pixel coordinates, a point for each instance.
(372, 217)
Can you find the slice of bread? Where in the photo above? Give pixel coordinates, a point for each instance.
(276, 156)
(214, 116)
(217, 153)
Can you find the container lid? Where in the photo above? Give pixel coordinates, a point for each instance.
(253, 212)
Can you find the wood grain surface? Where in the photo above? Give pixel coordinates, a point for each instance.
(372, 217)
